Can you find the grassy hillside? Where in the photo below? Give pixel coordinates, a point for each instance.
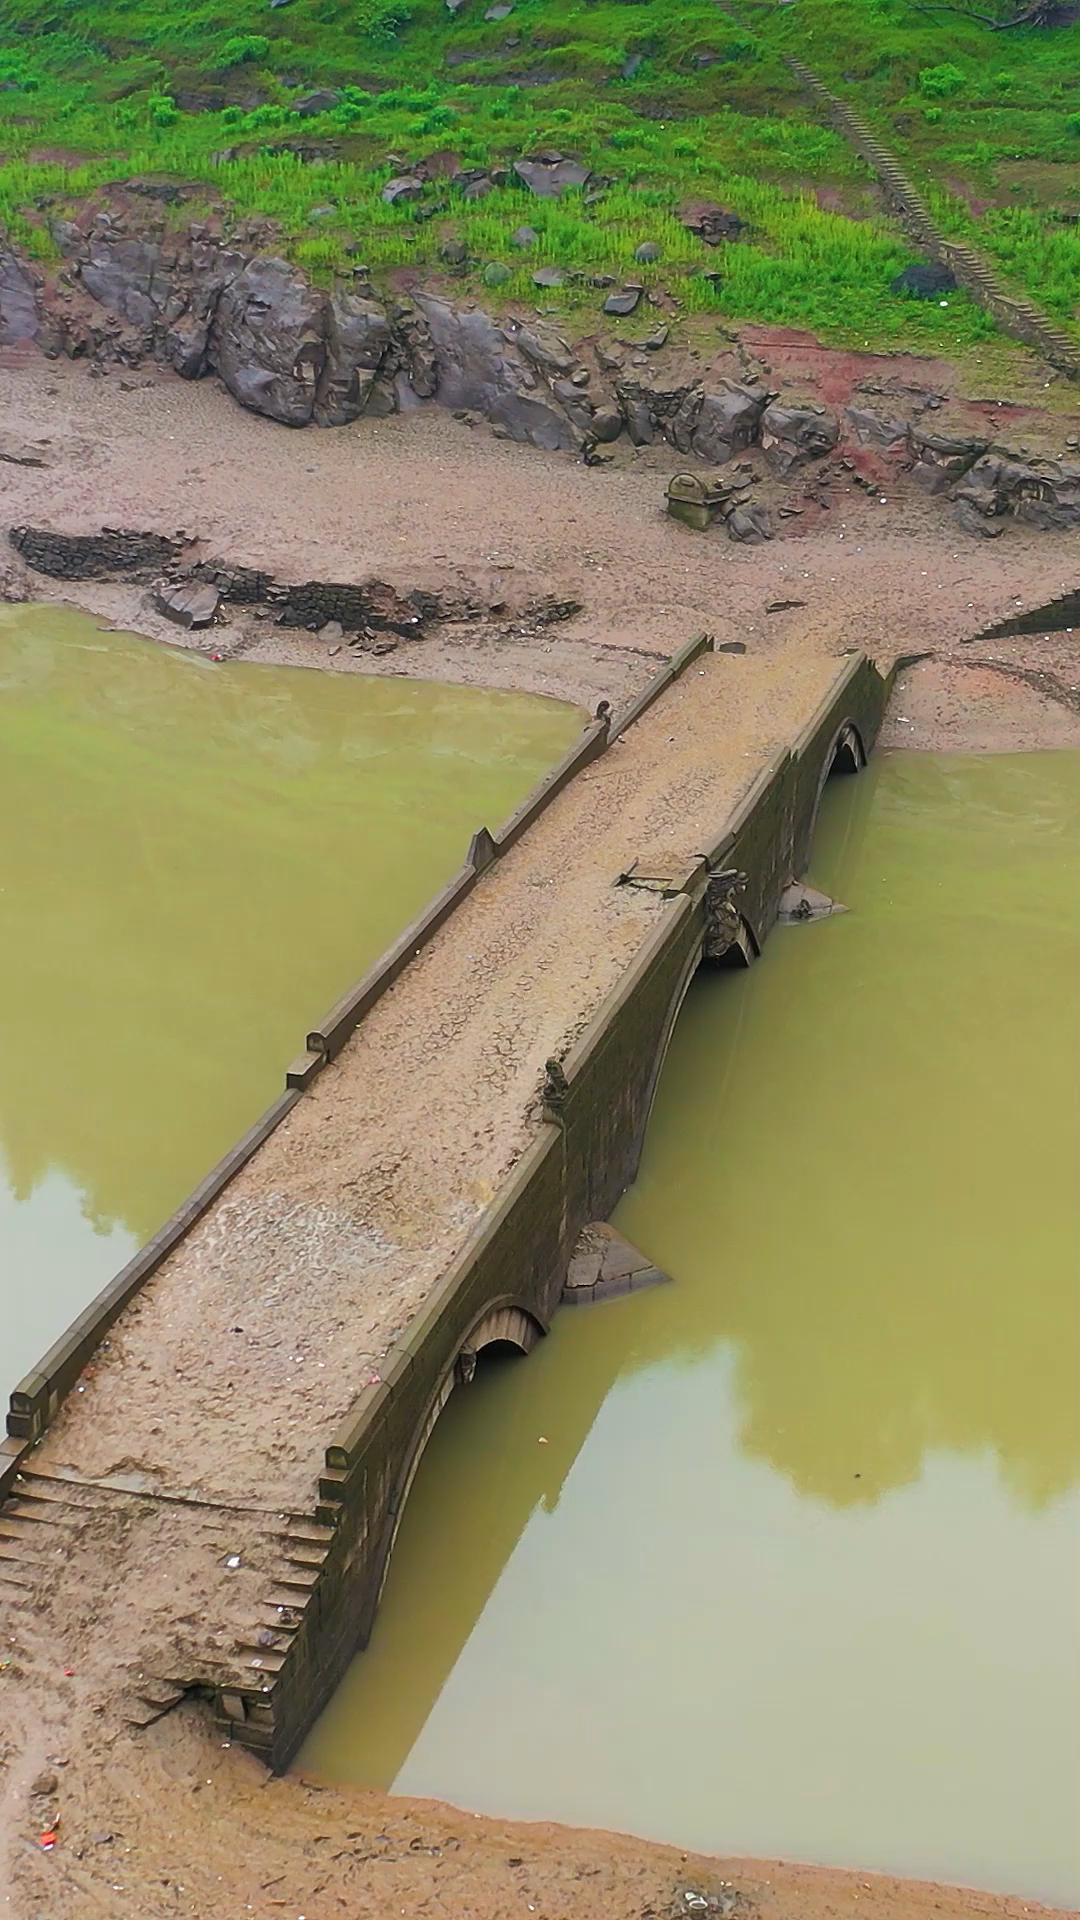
(667, 102)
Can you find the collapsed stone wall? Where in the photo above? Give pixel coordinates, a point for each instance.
(133, 288)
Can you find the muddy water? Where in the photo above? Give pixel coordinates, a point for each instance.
(782, 1558)
(194, 861)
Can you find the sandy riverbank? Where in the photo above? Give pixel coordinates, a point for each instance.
(169, 1822)
(424, 500)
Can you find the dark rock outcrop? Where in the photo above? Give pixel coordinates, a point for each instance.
(19, 315)
(488, 369)
(884, 431)
(940, 459)
(727, 422)
(996, 487)
(357, 341)
(793, 435)
(268, 340)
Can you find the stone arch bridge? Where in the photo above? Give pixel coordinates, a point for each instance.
(258, 1385)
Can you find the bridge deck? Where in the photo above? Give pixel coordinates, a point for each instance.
(224, 1380)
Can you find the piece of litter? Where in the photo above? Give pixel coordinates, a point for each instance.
(47, 1841)
(233, 1560)
(542, 1442)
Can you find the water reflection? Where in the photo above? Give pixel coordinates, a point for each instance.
(795, 1568)
(194, 861)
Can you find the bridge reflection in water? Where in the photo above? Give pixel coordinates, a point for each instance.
(782, 1558)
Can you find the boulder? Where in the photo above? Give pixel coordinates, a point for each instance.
(727, 422)
(268, 340)
(357, 339)
(749, 525)
(793, 435)
(319, 100)
(658, 403)
(880, 430)
(926, 279)
(606, 424)
(191, 605)
(549, 174)
(544, 349)
(405, 187)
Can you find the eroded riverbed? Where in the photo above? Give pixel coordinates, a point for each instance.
(782, 1558)
(195, 859)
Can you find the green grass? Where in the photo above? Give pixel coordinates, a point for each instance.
(974, 116)
(89, 95)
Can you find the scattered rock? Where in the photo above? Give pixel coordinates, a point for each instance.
(454, 252)
(193, 605)
(648, 250)
(926, 279)
(548, 277)
(712, 224)
(524, 237)
(495, 274)
(500, 10)
(44, 1784)
(625, 301)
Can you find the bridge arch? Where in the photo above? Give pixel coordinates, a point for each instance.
(506, 1323)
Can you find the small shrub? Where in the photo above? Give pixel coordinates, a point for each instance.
(163, 110)
(941, 83)
(384, 26)
(931, 115)
(244, 46)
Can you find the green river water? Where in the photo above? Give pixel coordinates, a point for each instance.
(783, 1558)
(195, 860)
